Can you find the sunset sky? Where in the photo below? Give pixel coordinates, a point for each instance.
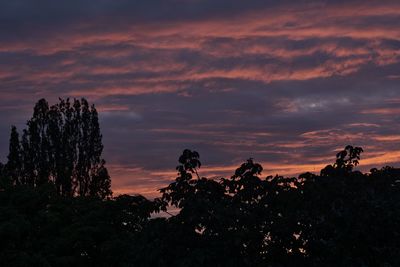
(285, 82)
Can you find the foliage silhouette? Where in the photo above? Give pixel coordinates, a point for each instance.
(38, 227)
(346, 160)
(61, 145)
(56, 208)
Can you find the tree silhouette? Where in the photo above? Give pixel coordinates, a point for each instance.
(306, 221)
(238, 218)
(346, 160)
(63, 145)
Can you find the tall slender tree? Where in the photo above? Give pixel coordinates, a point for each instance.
(62, 145)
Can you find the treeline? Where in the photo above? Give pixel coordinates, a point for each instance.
(340, 217)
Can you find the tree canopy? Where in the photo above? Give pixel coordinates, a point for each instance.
(62, 144)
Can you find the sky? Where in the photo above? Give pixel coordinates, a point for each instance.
(288, 83)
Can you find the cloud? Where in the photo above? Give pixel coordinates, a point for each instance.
(288, 84)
